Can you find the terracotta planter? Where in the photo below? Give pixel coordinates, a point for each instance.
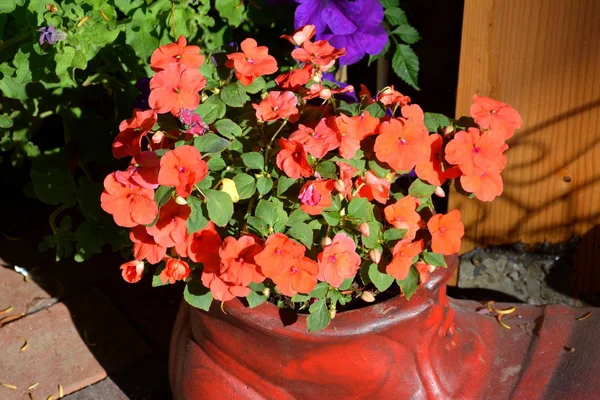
(428, 348)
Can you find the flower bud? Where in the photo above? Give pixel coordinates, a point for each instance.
(439, 192)
(431, 268)
(332, 313)
(448, 130)
(158, 137)
(367, 296)
(343, 212)
(375, 255)
(340, 186)
(364, 228)
(230, 188)
(326, 241)
(180, 200)
(266, 292)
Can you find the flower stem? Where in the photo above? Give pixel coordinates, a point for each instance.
(272, 140)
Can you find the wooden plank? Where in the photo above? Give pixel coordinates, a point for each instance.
(543, 58)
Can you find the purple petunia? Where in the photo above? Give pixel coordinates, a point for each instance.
(355, 25)
(50, 35)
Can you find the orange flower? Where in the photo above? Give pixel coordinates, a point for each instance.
(403, 143)
(432, 169)
(318, 141)
(320, 53)
(446, 232)
(373, 187)
(365, 96)
(338, 261)
(280, 253)
(404, 255)
(230, 276)
(292, 159)
(131, 131)
(130, 205)
(295, 79)
(132, 271)
(253, 61)
(346, 173)
(178, 53)
(300, 35)
(182, 167)
(403, 215)
(201, 246)
(318, 90)
(277, 105)
(354, 129)
(495, 115)
(142, 171)
(171, 228)
(389, 96)
(175, 270)
(315, 196)
(299, 278)
(424, 271)
(483, 184)
(474, 149)
(175, 88)
(145, 247)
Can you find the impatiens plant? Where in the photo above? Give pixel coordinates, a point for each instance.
(243, 186)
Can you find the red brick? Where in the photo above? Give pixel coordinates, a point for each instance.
(57, 352)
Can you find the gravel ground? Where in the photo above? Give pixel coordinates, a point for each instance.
(536, 275)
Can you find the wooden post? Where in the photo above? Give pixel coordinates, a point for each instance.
(543, 58)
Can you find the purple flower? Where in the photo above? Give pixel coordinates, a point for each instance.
(193, 122)
(50, 35)
(355, 25)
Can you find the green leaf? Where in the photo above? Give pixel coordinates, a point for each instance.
(327, 170)
(53, 186)
(372, 241)
(266, 211)
(434, 121)
(381, 280)
(406, 65)
(350, 109)
(303, 233)
(219, 205)
(376, 109)
(254, 299)
(283, 184)
(257, 224)
(210, 143)
(380, 171)
(346, 284)
(320, 290)
(264, 185)
(319, 316)
(7, 6)
(390, 3)
(360, 208)
(300, 298)
(394, 234)
(234, 95)
(332, 218)
(211, 109)
(162, 195)
(409, 285)
(156, 281)
(395, 16)
(5, 122)
(256, 86)
(231, 10)
(435, 259)
(421, 189)
(254, 160)
(228, 128)
(216, 164)
(196, 220)
(257, 286)
(197, 295)
(245, 184)
(297, 216)
(407, 33)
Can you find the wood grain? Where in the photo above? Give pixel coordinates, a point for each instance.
(542, 57)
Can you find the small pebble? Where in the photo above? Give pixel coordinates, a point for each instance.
(514, 275)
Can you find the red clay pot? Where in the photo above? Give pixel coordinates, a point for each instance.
(428, 348)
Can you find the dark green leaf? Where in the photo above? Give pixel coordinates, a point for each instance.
(435, 259)
(332, 218)
(395, 16)
(228, 128)
(5, 122)
(346, 284)
(297, 216)
(210, 143)
(381, 280)
(264, 185)
(327, 170)
(361, 209)
(219, 205)
(409, 285)
(216, 164)
(253, 160)
(283, 184)
(372, 241)
(319, 316)
(407, 33)
(196, 220)
(394, 234)
(211, 109)
(156, 281)
(434, 121)
(376, 109)
(234, 95)
(266, 211)
(245, 184)
(254, 299)
(350, 109)
(231, 10)
(163, 195)
(197, 295)
(421, 189)
(320, 290)
(380, 171)
(256, 86)
(303, 233)
(406, 65)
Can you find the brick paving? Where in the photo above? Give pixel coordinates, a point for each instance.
(97, 336)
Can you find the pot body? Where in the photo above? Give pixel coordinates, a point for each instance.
(428, 348)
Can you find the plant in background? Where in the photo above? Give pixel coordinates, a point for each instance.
(243, 186)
